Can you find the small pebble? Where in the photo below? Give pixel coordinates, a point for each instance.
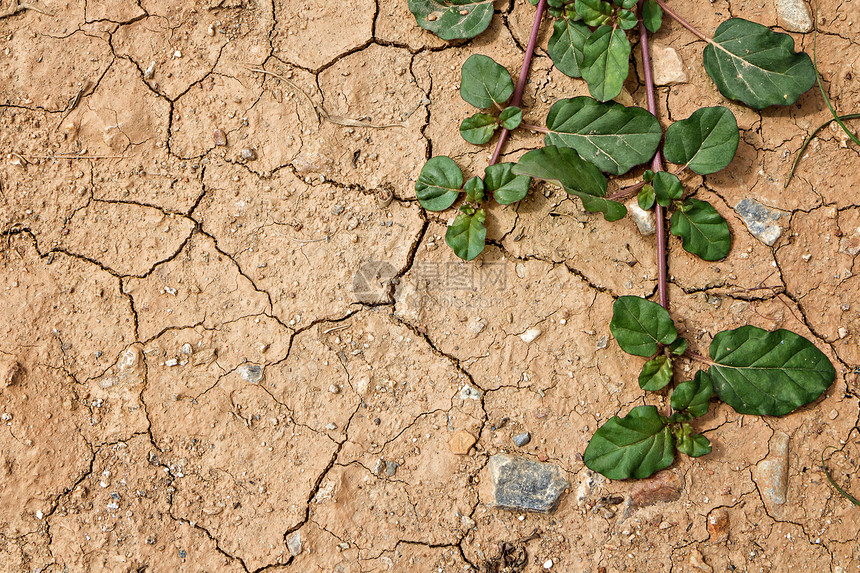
(186, 349)
(334, 389)
(171, 362)
(547, 564)
(294, 543)
(149, 71)
(247, 153)
(220, 137)
(530, 335)
(522, 439)
(331, 426)
(251, 372)
(391, 468)
(337, 210)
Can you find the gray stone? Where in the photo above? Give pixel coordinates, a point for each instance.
(248, 154)
(253, 373)
(219, 137)
(521, 484)
(771, 474)
(794, 15)
(760, 220)
(391, 468)
(644, 219)
(294, 543)
(522, 439)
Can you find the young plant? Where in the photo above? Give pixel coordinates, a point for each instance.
(752, 370)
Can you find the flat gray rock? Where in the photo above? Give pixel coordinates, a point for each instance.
(794, 15)
(760, 220)
(522, 484)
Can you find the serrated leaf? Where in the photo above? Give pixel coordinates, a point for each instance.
(565, 46)
(627, 19)
(667, 187)
(605, 62)
(439, 183)
(484, 82)
(706, 141)
(613, 137)
(703, 231)
(511, 117)
(694, 445)
(479, 128)
(564, 166)
(474, 189)
(506, 187)
(594, 12)
(652, 16)
(634, 446)
(646, 197)
(453, 19)
(467, 234)
(767, 373)
(640, 326)
(656, 374)
(751, 63)
(694, 395)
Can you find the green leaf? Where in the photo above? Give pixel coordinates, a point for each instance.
(678, 347)
(627, 19)
(667, 187)
(453, 19)
(467, 234)
(613, 137)
(694, 395)
(511, 117)
(636, 445)
(706, 141)
(703, 231)
(652, 16)
(474, 189)
(767, 373)
(656, 374)
(646, 197)
(479, 128)
(564, 166)
(640, 326)
(648, 176)
(484, 82)
(506, 187)
(565, 46)
(751, 63)
(439, 183)
(694, 445)
(594, 12)
(605, 62)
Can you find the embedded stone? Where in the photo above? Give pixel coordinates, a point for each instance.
(644, 220)
(760, 220)
(667, 65)
(771, 474)
(461, 442)
(663, 487)
(522, 484)
(794, 15)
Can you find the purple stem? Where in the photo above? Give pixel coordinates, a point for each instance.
(521, 81)
(677, 17)
(656, 165)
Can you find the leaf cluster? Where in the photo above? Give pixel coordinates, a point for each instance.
(752, 370)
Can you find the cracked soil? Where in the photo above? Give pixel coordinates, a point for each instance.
(191, 381)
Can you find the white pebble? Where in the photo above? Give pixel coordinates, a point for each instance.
(530, 335)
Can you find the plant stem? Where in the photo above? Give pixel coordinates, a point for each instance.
(698, 357)
(626, 191)
(656, 165)
(677, 17)
(521, 81)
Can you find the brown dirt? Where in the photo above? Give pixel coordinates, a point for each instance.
(145, 278)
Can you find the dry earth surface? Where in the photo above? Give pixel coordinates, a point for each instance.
(190, 382)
